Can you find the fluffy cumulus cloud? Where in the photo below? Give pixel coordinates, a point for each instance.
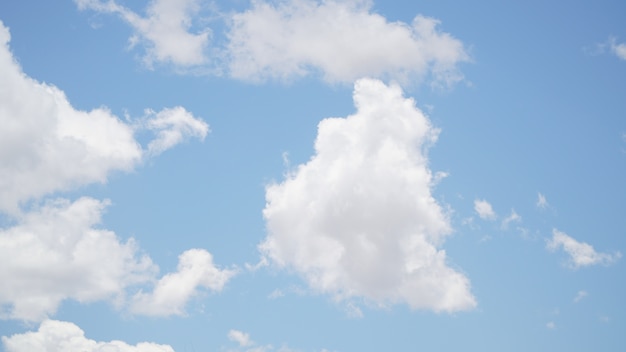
(342, 40)
(46, 145)
(57, 253)
(173, 291)
(484, 210)
(581, 254)
(60, 336)
(165, 30)
(359, 220)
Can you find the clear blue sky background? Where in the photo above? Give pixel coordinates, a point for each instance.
(540, 112)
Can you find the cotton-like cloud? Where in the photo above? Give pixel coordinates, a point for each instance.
(173, 291)
(46, 145)
(342, 40)
(165, 30)
(484, 209)
(57, 253)
(60, 336)
(359, 219)
(581, 253)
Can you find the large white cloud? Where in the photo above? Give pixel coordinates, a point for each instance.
(165, 30)
(60, 336)
(286, 39)
(46, 145)
(359, 219)
(344, 40)
(581, 254)
(173, 291)
(57, 253)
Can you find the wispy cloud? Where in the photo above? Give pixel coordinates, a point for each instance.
(514, 217)
(542, 202)
(618, 49)
(581, 254)
(580, 295)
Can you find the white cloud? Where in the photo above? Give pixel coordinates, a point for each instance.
(514, 217)
(542, 203)
(173, 126)
(60, 336)
(165, 30)
(57, 253)
(619, 49)
(359, 219)
(240, 337)
(580, 295)
(551, 325)
(581, 254)
(173, 291)
(342, 40)
(46, 145)
(484, 209)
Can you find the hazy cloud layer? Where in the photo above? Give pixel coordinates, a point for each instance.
(359, 219)
(60, 336)
(46, 145)
(172, 292)
(581, 254)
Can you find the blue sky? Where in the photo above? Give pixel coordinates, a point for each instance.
(299, 175)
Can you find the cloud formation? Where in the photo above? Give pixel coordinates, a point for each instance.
(342, 40)
(60, 336)
(46, 145)
(173, 291)
(542, 202)
(242, 338)
(484, 209)
(581, 254)
(165, 30)
(619, 49)
(359, 219)
(57, 253)
(284, 40)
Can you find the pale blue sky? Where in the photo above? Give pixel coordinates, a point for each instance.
(527, 100)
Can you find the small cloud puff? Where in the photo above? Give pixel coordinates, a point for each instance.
(484, 209)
